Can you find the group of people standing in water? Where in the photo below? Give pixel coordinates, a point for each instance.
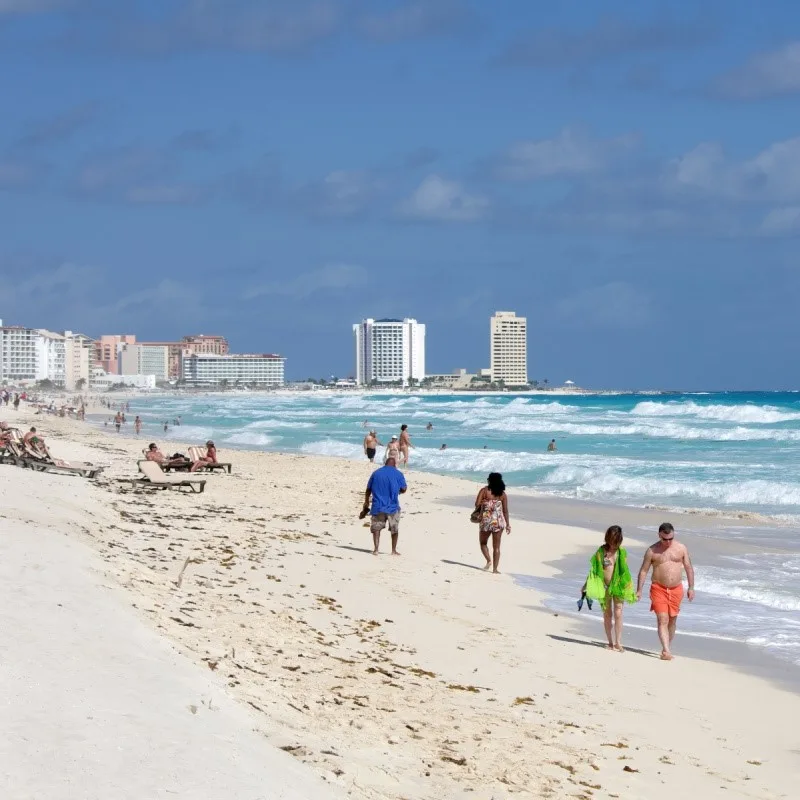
(397, 448)
(609, 581)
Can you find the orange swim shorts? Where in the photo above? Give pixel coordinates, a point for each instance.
(666, 599)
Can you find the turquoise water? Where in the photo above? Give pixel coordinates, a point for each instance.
(728, 452)
(724, 451)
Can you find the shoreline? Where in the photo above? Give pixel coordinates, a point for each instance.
(433, 678)
(639, 526)
(559, 508)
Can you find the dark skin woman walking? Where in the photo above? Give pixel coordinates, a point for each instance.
(492, 506)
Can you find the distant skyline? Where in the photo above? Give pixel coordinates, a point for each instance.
(626, 176)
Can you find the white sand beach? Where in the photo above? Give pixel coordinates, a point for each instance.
(412, 677)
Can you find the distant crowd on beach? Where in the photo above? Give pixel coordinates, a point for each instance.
(609, 581)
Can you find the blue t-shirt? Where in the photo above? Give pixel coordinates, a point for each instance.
(385, 484)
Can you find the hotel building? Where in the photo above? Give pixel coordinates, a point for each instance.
(18, 355)
(51, 357)
(78, 354)
(29, 355)
(508, 346)
(108, 349)
(210, 369)
(144, 359)
(389, 350)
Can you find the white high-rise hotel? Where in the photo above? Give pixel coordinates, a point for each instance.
(509, 348)
(389, 350)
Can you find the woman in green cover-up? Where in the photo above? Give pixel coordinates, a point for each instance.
(611, 583)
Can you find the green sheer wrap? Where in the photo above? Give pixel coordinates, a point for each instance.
(621, 585)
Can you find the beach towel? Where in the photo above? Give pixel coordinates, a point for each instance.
(621, 585)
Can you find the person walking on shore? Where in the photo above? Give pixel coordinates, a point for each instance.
(611, 583)
(491, 505)
(371, 443)
(668, 559)
(384, 488)
(137, 424)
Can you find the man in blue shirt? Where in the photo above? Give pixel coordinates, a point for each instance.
(384, 488)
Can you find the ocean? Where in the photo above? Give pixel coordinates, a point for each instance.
(722, 453)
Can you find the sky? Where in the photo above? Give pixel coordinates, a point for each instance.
(625, 174)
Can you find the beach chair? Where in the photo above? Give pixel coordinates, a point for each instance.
(23, 456)
(18, 453)
(153, 477)
(196, 453)
(58, 466)
(10, 452)
(185, 467)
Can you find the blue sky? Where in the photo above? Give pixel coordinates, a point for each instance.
(626, 174)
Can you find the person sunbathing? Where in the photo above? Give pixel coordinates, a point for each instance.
(209, 458)
(154, 454)
(35, 445)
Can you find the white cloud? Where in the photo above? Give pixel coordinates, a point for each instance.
(765, 75)
(612, 305)
(164, 194)
(331, 277)
(440, 200)
(415, 18)
(568, 154)
(781, 222)
(341, 193)
(135, 174)
(67, 281)
(20, 174)
(30, 6)
(773, 175)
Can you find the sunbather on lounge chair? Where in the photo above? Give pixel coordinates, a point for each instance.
(209, 458)
(154, 454)
(35, 444)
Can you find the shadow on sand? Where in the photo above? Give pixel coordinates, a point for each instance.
(601, 645)
(462, 564)
(354, 549)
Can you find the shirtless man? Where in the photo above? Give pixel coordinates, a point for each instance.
(371, 443)
(154, 454)
(668, 559)
(35, 444)
(405, 443)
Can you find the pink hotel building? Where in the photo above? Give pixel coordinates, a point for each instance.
(106, 347)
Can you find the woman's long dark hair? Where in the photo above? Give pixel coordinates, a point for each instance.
(496, 484)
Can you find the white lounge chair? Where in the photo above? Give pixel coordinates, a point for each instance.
(197, 453)
(155, 478)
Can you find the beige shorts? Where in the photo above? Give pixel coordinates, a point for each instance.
(379, 522)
